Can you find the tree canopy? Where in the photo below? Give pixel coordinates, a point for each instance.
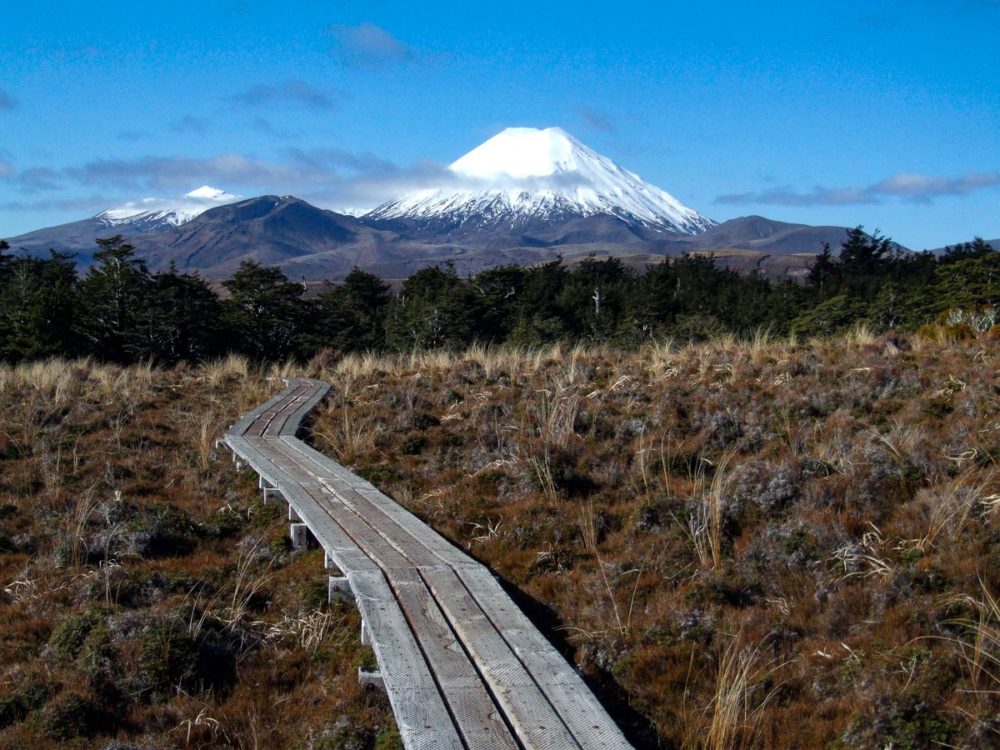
(120, 311)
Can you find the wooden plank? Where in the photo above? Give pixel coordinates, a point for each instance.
(477, 717)
(547, 663)
(421, 715)
(535, 721)
(439, 608)
(562, 685)
(430, 538)
(275, 418)
(393, 521)
(318, 391)
(475, 713)
(240, 426)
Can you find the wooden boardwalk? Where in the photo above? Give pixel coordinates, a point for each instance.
(461, 664)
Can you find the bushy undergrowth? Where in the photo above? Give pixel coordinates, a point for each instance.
(149, 598)
(760, 544)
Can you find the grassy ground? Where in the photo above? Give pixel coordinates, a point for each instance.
(149, 597)
(760, 544)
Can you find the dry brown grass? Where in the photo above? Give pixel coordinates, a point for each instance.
(121, 522)
(821, 495)
(833, 501)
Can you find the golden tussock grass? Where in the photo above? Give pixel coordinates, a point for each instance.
(834, 502)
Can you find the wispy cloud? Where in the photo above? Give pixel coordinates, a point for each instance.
(597, 120)
(190, 124)
(913, 187)
(368, 44)
(292, 91)
(38, 179)
(922, 188)
(131, 136)
(332, 178)
(263, 125)
(171, 172)
(7, 102)
(88, 204)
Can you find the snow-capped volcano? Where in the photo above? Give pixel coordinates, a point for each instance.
(525, 175)
(154, 214)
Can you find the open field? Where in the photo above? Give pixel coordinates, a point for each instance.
(758, 544)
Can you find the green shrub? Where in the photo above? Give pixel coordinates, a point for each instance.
(69, 635)
(75, 715)
(30, 694)
(165, 531)
(168, 658)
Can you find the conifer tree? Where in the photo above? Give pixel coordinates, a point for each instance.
(37, 305)
(435, 309)
(265, 312)
(112, 296)
(181, 320)
(351, 315)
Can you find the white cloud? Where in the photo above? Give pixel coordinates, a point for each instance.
(910, 186)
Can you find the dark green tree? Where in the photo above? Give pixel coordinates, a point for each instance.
(965, 250)
(825, 273)
(112, 295)
(181, 320)
(540, 319)
(500, 291)
(434, 310)
(592, 298)
(967, 284)
(265, 312)
(37, 307)
(864, 258)
(351, 315)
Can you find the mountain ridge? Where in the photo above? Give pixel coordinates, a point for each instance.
(524, 196)
(522, 176)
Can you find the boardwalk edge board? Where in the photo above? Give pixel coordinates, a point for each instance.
(462, 666)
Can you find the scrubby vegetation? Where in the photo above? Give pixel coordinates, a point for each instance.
(148, 598)
(766, 543)
(120, 312)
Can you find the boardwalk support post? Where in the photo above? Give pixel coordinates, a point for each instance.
(339, 590)
(298, 533)
(271, 492)
(292, 515)
(365, 635)
(371, 678)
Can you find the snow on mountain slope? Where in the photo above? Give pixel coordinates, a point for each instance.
(524, 174)
(154, 214)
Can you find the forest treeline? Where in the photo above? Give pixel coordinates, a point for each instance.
(120, 311)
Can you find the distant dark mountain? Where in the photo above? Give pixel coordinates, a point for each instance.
(524, 196)
(270, 229)
(313, 243)
(769, 236)
(759, 236)
(76, 237)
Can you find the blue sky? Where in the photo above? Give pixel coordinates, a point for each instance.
(885, 114)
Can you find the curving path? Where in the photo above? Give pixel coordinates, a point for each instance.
(461, 664)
